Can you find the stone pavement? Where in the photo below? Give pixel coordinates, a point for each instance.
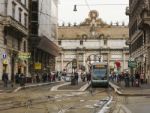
(143, 90)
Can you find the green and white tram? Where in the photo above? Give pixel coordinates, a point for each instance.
(99, 74)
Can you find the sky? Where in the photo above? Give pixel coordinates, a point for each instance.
(108, 13)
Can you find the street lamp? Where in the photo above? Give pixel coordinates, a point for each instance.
(75, 8)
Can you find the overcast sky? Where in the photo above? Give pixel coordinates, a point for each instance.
(107, 13)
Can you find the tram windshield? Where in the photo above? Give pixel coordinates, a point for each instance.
(99, 73)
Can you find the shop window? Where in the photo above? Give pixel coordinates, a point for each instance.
(105, 42)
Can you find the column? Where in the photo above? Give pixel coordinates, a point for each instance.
(124, 59)
(108, 60)
(62, 61)
(84, 63)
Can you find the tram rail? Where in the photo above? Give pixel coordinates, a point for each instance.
(31, 103)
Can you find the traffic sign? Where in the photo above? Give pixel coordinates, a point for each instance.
(38, 66)
(4, 55)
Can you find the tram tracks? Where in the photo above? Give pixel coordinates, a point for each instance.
(98, 107)
(78, 102)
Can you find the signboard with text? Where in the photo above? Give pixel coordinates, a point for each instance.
(38, 66)
(132, 64)
(24, 55)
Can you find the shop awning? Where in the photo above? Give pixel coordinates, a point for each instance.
(48, 46)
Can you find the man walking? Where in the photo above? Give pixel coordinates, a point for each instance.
(5, 79)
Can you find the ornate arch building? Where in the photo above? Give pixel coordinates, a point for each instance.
(93, 39)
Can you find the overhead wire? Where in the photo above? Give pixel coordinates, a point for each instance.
(99, 4)
(86, 2)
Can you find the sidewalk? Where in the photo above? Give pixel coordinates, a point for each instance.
(143, 90)
(17, 87)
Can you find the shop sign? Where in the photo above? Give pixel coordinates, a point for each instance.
(24, 55)
(5, 61)
(132, 64)
(38, 66)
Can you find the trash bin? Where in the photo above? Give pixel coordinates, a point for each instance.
(73, 81)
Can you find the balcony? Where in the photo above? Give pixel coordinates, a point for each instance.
(12, 23)
(144, 21)
(127, 11)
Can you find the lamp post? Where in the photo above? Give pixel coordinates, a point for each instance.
(75, 8)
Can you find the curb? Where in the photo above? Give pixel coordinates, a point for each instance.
(55, 88)
(83, 88)
(117, 90)
(30, 86)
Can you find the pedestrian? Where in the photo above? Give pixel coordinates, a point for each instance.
(142, 78)
(88, 77)
(17, 78)
(137, 79)
(5, 79)
(76, 77)
(49, 77)
(127, 79)
(22, 79)
(132, 80)
(37, 78)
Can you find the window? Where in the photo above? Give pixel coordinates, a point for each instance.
(105, 42)
(25, 19)
(59, 42)
(20, 14)
(81, 42)
(19, 48)
(5, 38)
(25, 3)
(19, 0)
(13, 9)
(34, 28)
(24, 46)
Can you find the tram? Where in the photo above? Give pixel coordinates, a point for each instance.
(99, 74)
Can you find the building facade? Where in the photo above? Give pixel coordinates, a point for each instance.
(139, 35)
(13, 37)
(93, 40)
(43, 33)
